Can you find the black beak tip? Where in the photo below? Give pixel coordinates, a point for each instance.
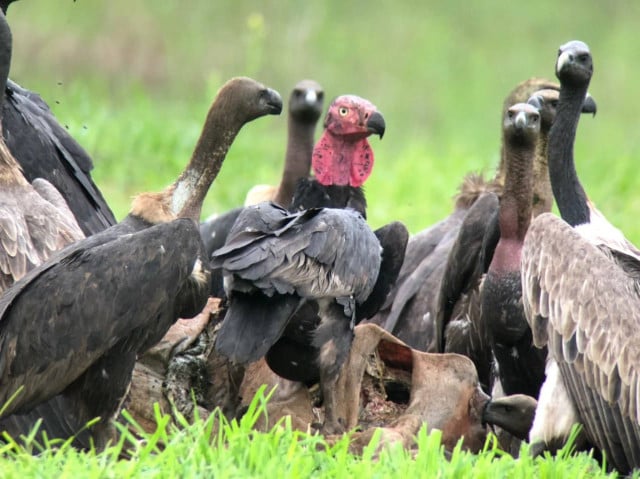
(274, 102)
(376, 124)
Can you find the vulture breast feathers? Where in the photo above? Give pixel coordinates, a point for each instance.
(314, 254)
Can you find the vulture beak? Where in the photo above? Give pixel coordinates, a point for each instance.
(589, 105)
(513, 413)
(375, 124)
(310, 97)
(273, 101)
(536, 101)
(521, 120)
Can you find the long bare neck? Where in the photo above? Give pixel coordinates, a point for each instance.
(297, 159)
(542, 193)
(515, 203)
(567, 189)
(186, 195)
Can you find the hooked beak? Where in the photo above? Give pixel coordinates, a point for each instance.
(375, 124)
(273, 101)
(521, 120)
(589, 105)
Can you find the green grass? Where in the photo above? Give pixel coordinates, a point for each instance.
(133, 82)
(213, 447)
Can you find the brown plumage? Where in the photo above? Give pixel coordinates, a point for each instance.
(71, 329)
(35, 220)
(411, 309)
(581, 284)
(520, 365)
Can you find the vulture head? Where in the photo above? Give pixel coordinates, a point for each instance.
(513, 413)
(305, 102)
(248, 99)
(574, 64)
(343, 155)
(546, 102)
(522, 123)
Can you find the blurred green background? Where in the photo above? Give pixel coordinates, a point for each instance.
(133, 80)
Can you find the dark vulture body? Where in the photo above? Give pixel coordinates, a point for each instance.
(105, 299)
(520, 364)
(113, 295)
(581, 279)
(275, 260)
(35, 220)
(44, 149)
(305, 108)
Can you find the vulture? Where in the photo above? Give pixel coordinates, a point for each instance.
(44, 149)
(274, 260)
(410, 309)
(580, 280)
(35, 220)
(293, 356)
(70, 330)
(305, 108)
(458, 323)
(282, 267)
(520, 364)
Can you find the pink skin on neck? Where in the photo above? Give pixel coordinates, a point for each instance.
(343, 155)
(342, 160)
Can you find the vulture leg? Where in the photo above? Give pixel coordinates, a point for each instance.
(333, 338)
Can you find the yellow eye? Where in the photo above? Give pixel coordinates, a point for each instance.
(343, 111)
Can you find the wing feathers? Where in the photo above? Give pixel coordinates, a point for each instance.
(584, 300)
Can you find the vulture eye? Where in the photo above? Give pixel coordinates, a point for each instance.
(343, 111)
(583, 58)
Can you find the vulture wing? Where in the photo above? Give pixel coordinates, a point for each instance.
(66, 313)
(45, 149)
(583, 302)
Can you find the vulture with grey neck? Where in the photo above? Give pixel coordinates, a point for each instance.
(409, 312)
(70, 330)
(44, 149)
(581, 283)
(275, 261)
(35, 221)
(305, 108)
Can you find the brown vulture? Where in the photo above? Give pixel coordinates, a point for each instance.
(70, 330)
